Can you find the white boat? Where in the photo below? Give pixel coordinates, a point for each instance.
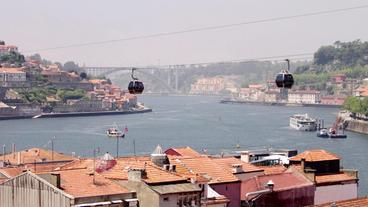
(303, 122)
(115, 132)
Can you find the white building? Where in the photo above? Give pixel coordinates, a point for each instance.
(304, 96)
(12, 75)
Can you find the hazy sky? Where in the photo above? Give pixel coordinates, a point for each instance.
(39, 24)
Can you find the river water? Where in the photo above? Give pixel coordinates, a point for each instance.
(199, 122)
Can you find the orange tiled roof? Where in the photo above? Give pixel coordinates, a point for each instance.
(357, 202)
(11, 172)
(227, 162)
(11, 70)
(272, 169)
(203, 166)
(79, 183)
(315, 156)
(184, 151)
(336, 177)
(154, 173)
(120, 171)
(36, 155)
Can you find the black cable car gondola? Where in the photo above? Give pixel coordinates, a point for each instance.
(285, 79)
(135, 86)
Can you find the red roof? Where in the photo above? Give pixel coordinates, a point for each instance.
(282, 181)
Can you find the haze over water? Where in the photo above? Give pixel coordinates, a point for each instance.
(198, 122)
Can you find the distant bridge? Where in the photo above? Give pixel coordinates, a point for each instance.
(171, 84)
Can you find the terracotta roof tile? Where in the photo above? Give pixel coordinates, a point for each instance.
(79, 183)
(36, 155)
(120, 171)
(315, 156)
(275, 169)
(228, 162)
(358, 202)
(182, 151)
(203, 166)
(11, 70)
(39, 168)
(336, 177)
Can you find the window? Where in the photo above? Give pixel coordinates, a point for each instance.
(166, 198)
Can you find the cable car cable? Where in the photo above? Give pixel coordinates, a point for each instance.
(199, 29)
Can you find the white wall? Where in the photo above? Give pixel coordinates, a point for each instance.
(332, 193)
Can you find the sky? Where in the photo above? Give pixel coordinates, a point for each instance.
(38, 24)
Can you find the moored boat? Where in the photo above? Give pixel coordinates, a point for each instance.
(303, 122)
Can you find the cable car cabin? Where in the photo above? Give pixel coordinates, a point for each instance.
(284, 80)
(135, 87)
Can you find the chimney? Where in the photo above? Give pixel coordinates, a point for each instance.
(172, 168)
(136, 174)
(237, 168)
(19, 158)
(303, 164)
(52, 178)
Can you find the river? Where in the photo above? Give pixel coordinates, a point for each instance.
(198, 122)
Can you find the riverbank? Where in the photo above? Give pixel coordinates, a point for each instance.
(279, 104)
(353, 125)
(77, 114)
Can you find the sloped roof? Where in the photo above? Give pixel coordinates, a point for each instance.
(282, 181)
(332, 178)
(275, 169)
(176, 188)
(120, 171)
(203, 166)
(357, 202)
(183, 151)
(79, 183)
(228, 162)
(36, 155)
(315, 156)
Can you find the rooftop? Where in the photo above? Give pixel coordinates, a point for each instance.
(36, 155)
(358, 202)
(275, 169)
(11, 70)
(282, 181)
(79, 183)
(216, 173)
(228, 162)
(315, 156)
(336, 177)
(182, 151)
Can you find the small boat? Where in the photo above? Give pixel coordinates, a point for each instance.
(303, 122)
(332, 133)
(115, 132)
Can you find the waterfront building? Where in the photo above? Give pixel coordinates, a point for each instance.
(332, 183)
(12, 77)
(212, 85)
(333, 100)
(272, 96)
(304, 96)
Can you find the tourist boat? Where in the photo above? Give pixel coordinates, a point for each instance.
(115, 132)
(303, 122)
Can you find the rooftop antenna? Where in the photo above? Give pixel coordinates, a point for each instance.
(52, 148)
(4, 151)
